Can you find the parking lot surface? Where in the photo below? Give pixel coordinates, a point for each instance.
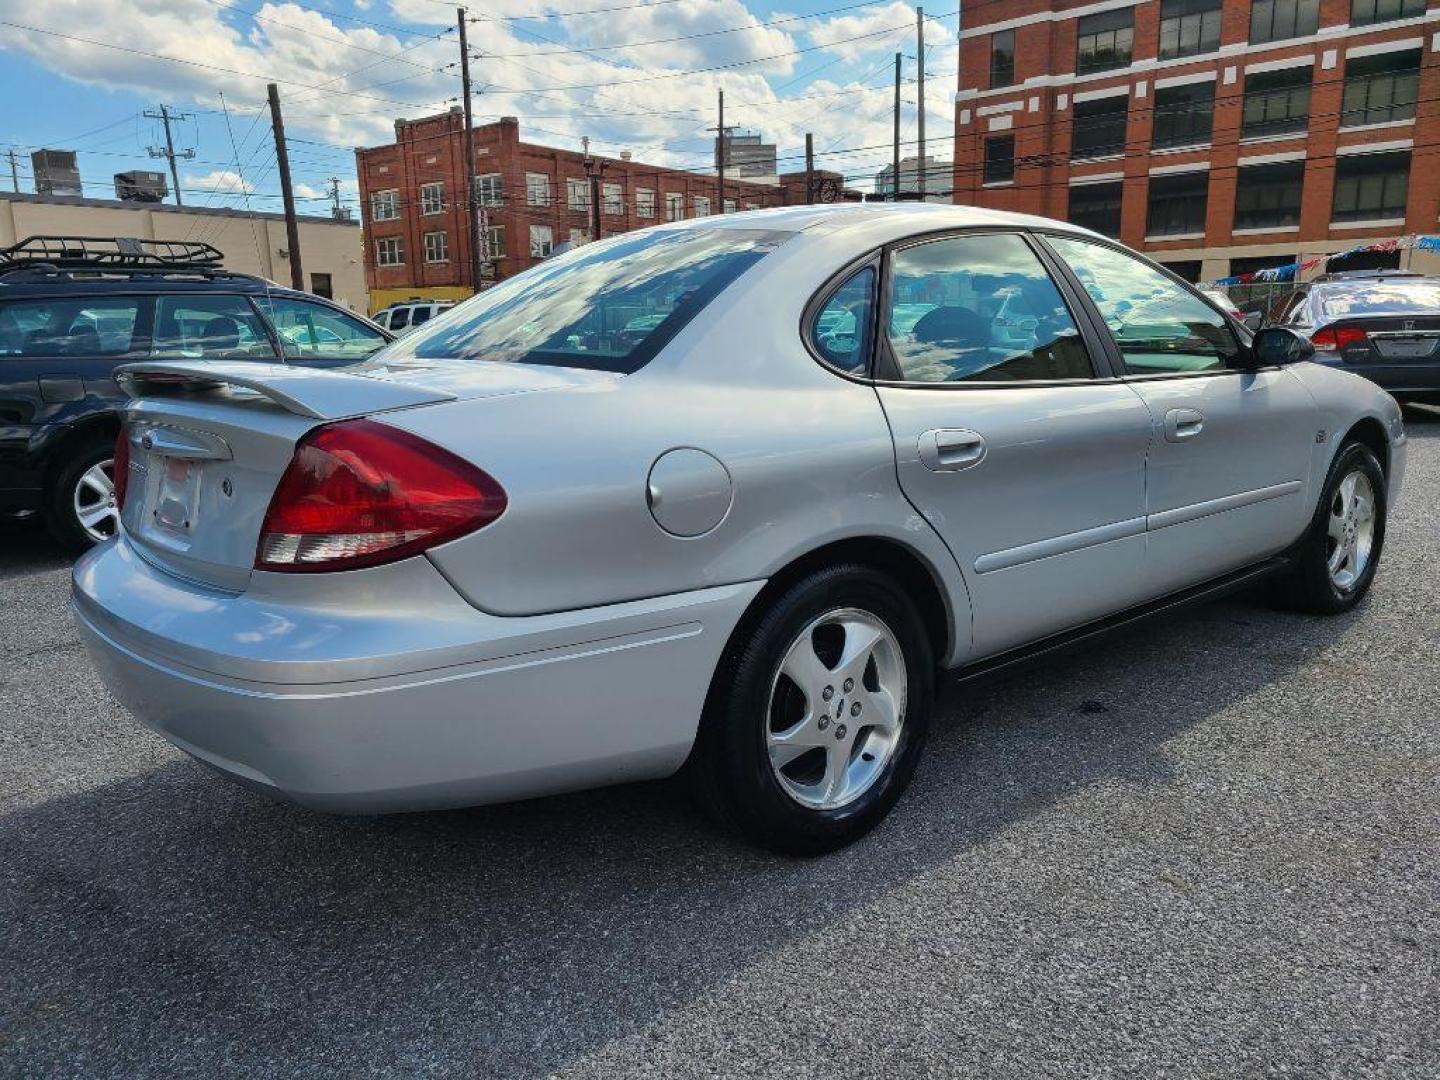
(1209, 846)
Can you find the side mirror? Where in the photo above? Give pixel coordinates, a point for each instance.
(1276, 346)
(1253, 320)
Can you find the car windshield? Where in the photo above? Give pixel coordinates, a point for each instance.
(1382, 298)
(608, 307)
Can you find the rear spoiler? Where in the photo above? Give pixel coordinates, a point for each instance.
(314, 392)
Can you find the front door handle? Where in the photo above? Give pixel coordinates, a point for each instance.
(1182, 424)
(951, 449)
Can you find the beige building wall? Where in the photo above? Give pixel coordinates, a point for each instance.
(251, 243)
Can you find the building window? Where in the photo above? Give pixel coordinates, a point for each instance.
(752, 206)
(1188, 27)
(1099, 127)
(1097, 206)
(1268, 196)
(1379, 89)
(322, 285)
(577, 194)
(1276, 20)
(612, 199)
(1184, 269)
(488, 190)
(1277, 102)
(644, 203)
(1363, 12)
(432, 198)
(1184, 114)
(729, 206)
(1105, 40)
(385, 206)
(579, 237)
(542, 242)
(1177, 204)
(1000, 159)
(390, 251)
(537, 189)
(1371, 187)
(495, 242)
(437, 247)
(1002, 58)
(702, 206)
(674, 206)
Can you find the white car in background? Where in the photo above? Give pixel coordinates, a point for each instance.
(400, 319)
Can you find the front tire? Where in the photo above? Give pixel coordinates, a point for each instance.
(80, 508)
(1336, 559)
(818, 714)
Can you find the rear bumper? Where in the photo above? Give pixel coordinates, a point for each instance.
(1399, 378)
(392, 693)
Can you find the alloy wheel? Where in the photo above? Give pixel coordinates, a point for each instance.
(94, 501)
(1350, 532)
(836, 710)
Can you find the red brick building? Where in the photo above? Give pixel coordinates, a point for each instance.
(1220, 136)
(534, 199)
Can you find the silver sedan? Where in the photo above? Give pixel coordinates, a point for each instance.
(724, 496)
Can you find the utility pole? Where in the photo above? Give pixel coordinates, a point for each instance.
(471, 194)
(720, 155)
(14, 174)
(593, 171)
(282, 161)
(809, 168)
(920, 88)
(336, 211)
(165, 115)
(895, 154)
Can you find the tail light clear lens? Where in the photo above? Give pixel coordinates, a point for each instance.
(359, 493)
(122, 466)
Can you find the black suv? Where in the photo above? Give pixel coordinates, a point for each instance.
(74, 308)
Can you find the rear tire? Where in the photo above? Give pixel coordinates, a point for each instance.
(1335, 561)
(818, 714)
(80, 508)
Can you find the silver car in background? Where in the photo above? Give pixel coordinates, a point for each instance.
(724, 495)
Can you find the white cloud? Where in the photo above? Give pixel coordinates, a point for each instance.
(870, 26)
(223, 181)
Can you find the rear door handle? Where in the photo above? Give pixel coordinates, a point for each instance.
(951, 449)
(1182, 424)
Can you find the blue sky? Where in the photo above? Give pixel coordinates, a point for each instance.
(628, 76)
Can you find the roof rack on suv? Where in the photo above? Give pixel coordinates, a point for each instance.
(47, 257)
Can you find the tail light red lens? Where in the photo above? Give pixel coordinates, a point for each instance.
(359, 493)
(122, 466)
(1341, 338)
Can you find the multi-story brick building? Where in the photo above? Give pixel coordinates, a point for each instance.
(534, 199)
(1220, 136)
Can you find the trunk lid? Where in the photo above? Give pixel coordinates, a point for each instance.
(210, 441)
(1390, 339)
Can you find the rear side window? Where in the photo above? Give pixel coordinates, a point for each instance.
(209, 327)
(980, 308)
(842, 328)
(400, 318)
(76, 327)
(607, 306)
(1381, 298)
(422, 314)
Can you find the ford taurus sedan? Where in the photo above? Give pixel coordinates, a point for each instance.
(724, 496)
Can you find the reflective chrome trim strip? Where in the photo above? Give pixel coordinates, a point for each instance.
(1182, 514)
(1059, 545)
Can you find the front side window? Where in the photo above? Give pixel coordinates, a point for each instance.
(1099, 127)
(1104, 40)
(608, 306)
(385, 206)
(1002, 58)
(1177, 204)
(1371, 187)
(1097, 207)
(1364, 12)
(1189, 27)
(1276, 102)
(1380, 89)
(542, 241)
(209, 328)
(308, 330)
(389, 251)
(1160, 326)
(999, 159)
(1184, 115)
(432, 199)
(979, 308)
(1276, 20)
(1268, 196)
(70, 327)
(842, 330)
(537, 189)
(437, 247)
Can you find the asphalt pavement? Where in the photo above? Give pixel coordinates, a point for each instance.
(1208, 847)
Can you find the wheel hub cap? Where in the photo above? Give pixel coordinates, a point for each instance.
(1350, 532)
(837, 706)
(94, 501)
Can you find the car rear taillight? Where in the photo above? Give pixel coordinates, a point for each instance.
(359, 493)
(122, 466)
(1330, 338)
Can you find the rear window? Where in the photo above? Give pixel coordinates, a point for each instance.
(1381, 298)
(606, 307)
